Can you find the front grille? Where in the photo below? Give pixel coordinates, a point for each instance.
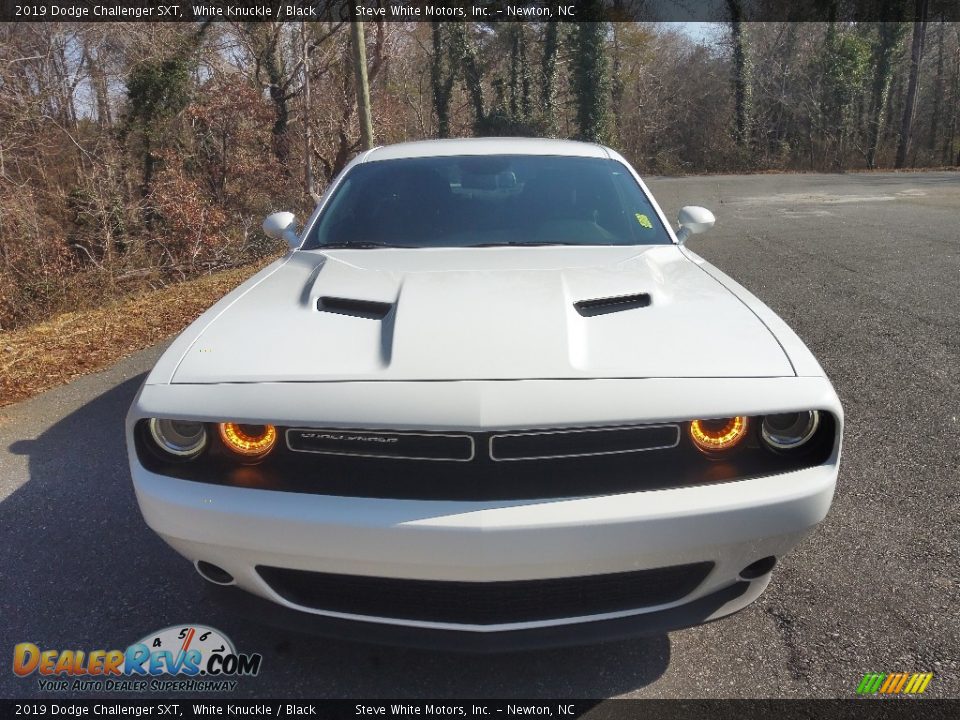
(582, 443)
(393, 445)
(485, 603)
(542, 463)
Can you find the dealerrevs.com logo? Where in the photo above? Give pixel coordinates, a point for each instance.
(200, 658)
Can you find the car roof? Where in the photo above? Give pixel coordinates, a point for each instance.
(486, 146)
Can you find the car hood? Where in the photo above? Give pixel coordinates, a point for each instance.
(482, 313)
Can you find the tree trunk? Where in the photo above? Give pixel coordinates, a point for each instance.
(548, 76)
(617, 87)
(888, 37)
(591, 81)
(463, 54)
(916, 58)
(955, 107)
(442, 75)
(785, 124)
(938, 90)
(280, 100)
(307, 116)
(98, 80)
(516, 43)
(741, 75)
(526, 101)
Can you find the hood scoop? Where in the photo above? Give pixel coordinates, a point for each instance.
(368, 309)
(605, 306)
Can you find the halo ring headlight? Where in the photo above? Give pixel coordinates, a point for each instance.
(184, 439)
(249, 441)
(718, 434)
(788, 431)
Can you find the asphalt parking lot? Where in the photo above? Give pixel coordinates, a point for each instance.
(865, 267)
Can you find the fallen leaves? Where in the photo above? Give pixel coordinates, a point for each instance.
(51, 353)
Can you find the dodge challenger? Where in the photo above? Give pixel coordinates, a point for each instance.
(488, 399)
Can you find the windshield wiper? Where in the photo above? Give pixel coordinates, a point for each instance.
(361, 246)
(371, 245)
(518, 243)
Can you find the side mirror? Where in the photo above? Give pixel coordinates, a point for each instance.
(693, 220)
(282, 226)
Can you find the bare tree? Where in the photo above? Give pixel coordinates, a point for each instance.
(889, 35)
(938, 88)
(948, 145)
(307, 115)
(127, 162)
(741, 75)
(916, 58)
(442, 76)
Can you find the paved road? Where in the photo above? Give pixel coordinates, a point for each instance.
(866, 268)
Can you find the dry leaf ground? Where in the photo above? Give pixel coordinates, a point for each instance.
(53, 352)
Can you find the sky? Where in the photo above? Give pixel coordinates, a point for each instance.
(704, 33)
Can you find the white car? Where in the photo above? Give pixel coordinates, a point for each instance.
(487, 400)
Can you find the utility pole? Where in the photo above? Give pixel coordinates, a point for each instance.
(307, 116)
(363, 88)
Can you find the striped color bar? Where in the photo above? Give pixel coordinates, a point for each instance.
(894, 683)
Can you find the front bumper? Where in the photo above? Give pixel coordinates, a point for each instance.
(730, 525)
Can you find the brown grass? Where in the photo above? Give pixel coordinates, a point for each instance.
(53, 352)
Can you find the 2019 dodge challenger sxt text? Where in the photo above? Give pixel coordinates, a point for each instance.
(488, 399)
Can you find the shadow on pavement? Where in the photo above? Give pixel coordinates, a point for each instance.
(81, 570)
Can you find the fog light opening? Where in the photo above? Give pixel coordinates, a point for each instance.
(758, 569)
(214, 573)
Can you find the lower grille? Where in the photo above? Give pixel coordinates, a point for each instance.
(482, 603)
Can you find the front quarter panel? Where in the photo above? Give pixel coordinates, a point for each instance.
(803, 361)
(166, 366)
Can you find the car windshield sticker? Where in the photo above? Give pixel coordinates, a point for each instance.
(644, 221)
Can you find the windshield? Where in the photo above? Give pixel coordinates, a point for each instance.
(489, 200)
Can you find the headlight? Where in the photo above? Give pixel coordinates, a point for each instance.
(719, 434)
(184, 439)
(787, 431)
(251, 441)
